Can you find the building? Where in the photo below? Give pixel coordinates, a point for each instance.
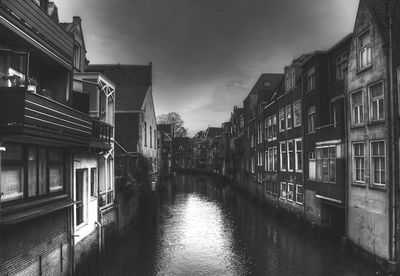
(289, 103)
(165, 148)
(236, 169)
(42, 130)
(95, 217)
(135, 119)
(182, 152)
(371, 129)
(324, 84)
(200, 152)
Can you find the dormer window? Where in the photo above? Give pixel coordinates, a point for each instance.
(364, 48)
(77, 56)
(290, 79)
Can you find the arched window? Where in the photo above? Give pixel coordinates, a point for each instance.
(151, 139)
(145, 134)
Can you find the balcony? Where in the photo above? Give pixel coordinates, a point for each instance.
(102, 133)
(26, 114)
(23, 22)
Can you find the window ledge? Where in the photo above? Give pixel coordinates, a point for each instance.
(377, 122)
(358, 184)
(357, 126)
(378, 188)
(360, 71)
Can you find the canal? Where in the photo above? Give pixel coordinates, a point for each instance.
(200, 226)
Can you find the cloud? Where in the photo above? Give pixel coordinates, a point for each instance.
(206, 54)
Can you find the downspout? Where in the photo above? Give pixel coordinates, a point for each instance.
(393, 150)
(100, 252)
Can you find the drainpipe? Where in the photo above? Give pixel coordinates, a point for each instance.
(392, 149)
(100, 252)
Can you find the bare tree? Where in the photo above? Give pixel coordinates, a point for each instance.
(176, 122)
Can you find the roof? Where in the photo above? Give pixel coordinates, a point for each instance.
(213, 132)
(130, 98)
(132, 81)
(125, 75)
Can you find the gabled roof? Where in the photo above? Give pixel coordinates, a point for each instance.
(125, 75)
(129, 98)
(71, 27)
(212, 132)
(133, 83)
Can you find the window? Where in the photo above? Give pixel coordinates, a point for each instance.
(252, 142)
(106, 181)
(93, 182)
(311, 166)
(283, 156)
(282, 120)
(151, 139)
(259, 177)
(341, 66)
(77, 56)
(311, 117)
(290, 191)
(253, 164)
(260, 158)
(358, 162)
(275, 159)
(283, 190)
(288, 117)
(270, 166)
(299, 194)
(378, 163)
(376, 97)
(326, 163)
(290, 153)
(290, 79)
(267, 160)
(357, 108)
(268, 127)
(155, 139)
(56, 170)
(44, 169)
(12, 174)
(297, 113)
(259, 133)
(299, 155)
(80, 197)
(274, 127)
(311, 79)
(333, 112)
(145, 134)
(364, 48)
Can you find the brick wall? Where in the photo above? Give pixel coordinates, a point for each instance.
(87, 255)
(37, 245)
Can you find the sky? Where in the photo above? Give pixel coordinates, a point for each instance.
(207, 54)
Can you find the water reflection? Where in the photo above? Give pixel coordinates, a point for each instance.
(201, 227)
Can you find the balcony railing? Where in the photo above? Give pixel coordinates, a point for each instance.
(23, 112)
(102, 131)
(34, 24)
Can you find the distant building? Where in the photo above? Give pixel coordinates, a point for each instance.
(165, 148)
(135, 119)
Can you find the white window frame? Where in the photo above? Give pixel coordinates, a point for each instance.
(274, 127)
(260, 158)
(311, 158)
(290, 78)
(372, 175)
(297, 151)
(266, 160)
(297, 103)
(283, 190)
(297, 194)
(288, 153)
(288, 113)
(311, 117)
(275, 158)
(290, 194)
(311, 79)
(282, 118)
(329, 159)
(364, 50)
(376, 99)
(359, 108)
(354, 163)
(283, 159)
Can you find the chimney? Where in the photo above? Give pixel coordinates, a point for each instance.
(52, 10)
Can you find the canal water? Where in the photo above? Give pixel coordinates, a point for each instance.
(200, 226)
